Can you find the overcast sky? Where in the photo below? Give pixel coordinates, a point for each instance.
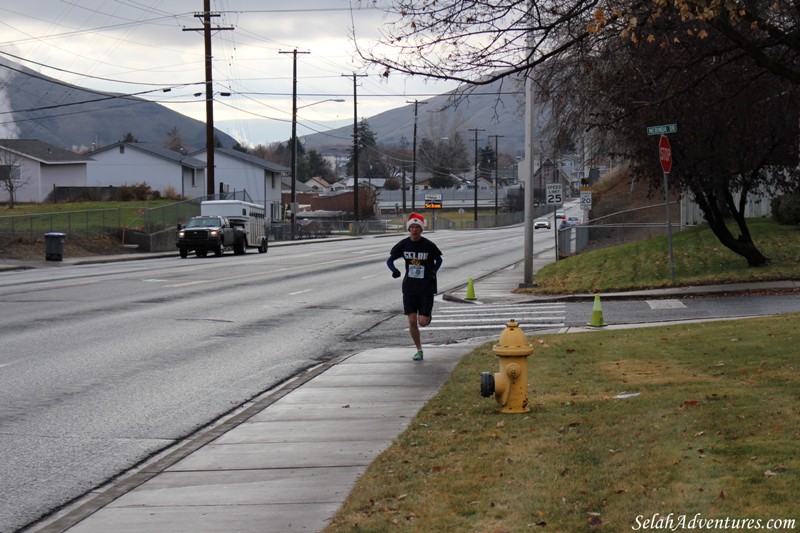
(142, 45)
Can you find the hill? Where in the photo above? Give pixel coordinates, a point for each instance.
(34, 106)
(497, 109)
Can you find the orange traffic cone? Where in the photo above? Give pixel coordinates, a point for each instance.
(597, 314)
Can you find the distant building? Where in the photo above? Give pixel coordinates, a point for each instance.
(128, 163)
(237, 171)
(39, 167)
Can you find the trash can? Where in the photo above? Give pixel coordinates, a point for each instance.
(54, 246)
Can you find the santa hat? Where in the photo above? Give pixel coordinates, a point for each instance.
(415, 218)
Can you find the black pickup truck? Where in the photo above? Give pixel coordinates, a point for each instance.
(205, 234)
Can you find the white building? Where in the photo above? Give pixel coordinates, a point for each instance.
(38, 167)
(237, 171)
(127, 163)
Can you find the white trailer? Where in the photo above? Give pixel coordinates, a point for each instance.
(252, 217)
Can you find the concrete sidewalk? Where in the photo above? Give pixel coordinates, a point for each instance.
(285, 462)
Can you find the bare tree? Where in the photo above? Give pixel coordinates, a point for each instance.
(12, 178)
(174, 141)
(724, 70)
(479, 42)
(739, 130)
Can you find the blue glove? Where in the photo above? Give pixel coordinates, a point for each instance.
(396, 274)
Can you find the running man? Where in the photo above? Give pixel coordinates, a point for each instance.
(423, 259)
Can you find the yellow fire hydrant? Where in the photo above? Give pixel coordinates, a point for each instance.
(510, 384)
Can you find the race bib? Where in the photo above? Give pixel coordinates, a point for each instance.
(416, 271)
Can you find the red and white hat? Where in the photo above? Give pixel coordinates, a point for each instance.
(415, 218)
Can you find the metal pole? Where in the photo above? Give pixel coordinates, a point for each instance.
(529, 144)
(496, 176)
(669, 227)
(475, 216)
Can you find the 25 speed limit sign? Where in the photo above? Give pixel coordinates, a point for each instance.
(553, 194)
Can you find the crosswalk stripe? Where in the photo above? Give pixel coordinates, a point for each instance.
(495, 317)
(490, 319)
(499, 326)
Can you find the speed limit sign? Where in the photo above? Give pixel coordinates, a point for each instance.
(586, 199)
(553, 194)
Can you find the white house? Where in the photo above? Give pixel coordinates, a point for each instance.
(37, 167)
(127, 163)
(236, 171)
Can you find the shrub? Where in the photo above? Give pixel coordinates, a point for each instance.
(137, 191)
(786, 208)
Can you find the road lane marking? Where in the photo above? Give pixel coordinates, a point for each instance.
(666, 304)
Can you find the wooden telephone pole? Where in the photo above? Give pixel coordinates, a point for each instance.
(206, 29)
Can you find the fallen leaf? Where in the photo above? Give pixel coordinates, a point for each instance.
(770, 473)
(346, 406)
(722, 494)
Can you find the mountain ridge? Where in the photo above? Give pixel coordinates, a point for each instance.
(35, 106)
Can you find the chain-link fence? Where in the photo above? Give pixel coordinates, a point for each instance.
(153, 229)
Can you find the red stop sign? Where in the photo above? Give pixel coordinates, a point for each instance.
(665, 154)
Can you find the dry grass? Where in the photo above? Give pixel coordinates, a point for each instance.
(699, 258)
(715, 430)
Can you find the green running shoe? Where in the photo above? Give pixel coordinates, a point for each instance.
(417, 356)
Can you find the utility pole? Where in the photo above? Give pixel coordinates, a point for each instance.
(496, 174)
(476, 130)
(530, 121)
(206, 29)
(355, 145)
(414, 156)
(403, 144)
(293, 197)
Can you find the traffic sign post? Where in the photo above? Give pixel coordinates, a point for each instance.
(665, 156)
(555, 197)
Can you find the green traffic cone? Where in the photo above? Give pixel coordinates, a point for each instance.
(470, 290)
(597, 314)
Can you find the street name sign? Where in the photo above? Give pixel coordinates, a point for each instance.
(662, 130)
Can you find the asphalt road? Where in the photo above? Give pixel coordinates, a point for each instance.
(104, 365)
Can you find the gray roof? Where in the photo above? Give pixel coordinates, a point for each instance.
(42, 152)
(158, 151)
(253, 160)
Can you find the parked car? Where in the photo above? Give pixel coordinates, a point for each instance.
(573, 220)
(541, 223)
